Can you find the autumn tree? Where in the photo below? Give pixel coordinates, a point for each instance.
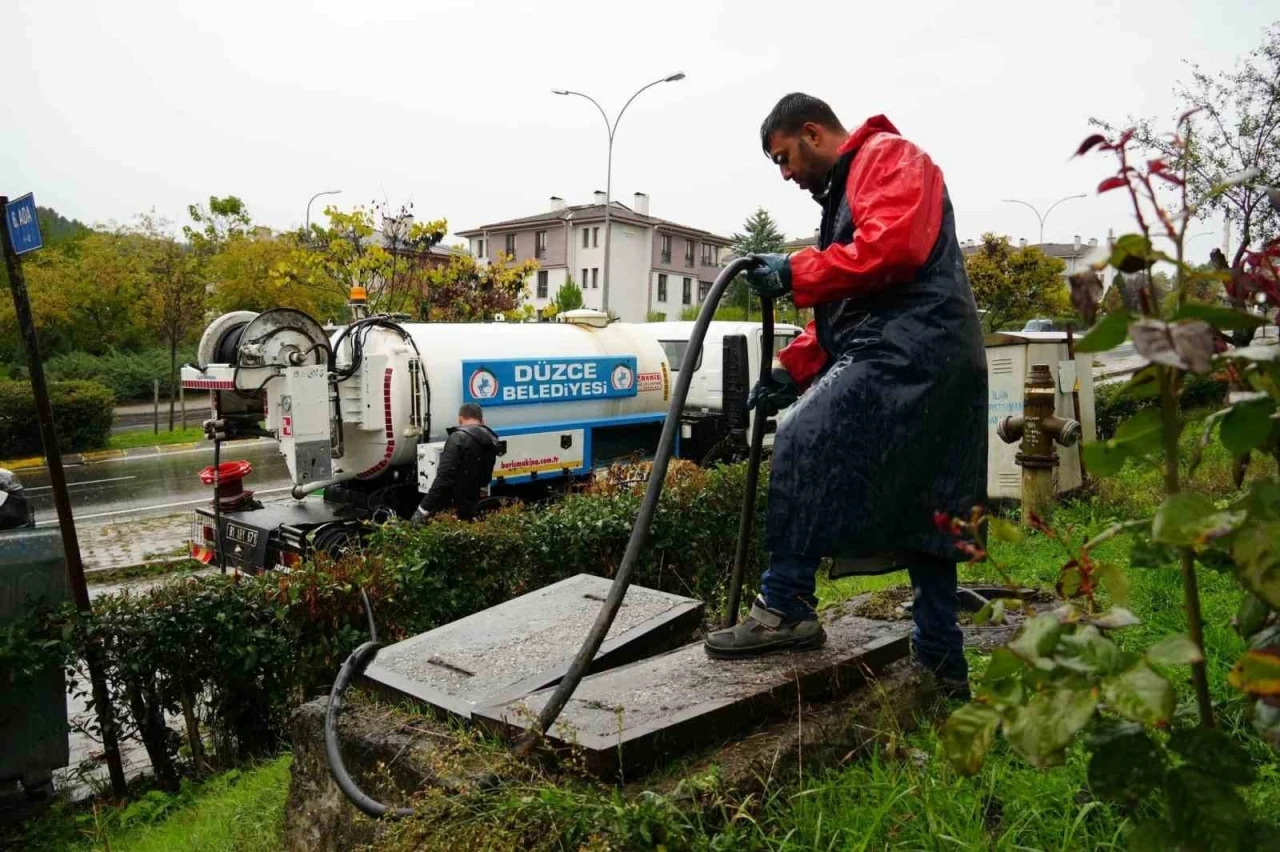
(389, 262)
(465, 290)
(245, 278)
(85, 294)
(1234, 131)
(1015, 284)
(173, 305)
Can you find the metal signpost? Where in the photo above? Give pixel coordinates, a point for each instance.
(19, 234)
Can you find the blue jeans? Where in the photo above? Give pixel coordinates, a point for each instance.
(789, 583)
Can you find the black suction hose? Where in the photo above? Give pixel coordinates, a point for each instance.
(362, 656)
(644, 520)
(748, 517)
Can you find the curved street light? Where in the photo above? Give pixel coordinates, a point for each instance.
(307, 223)
(612, 128)
(1037, 212)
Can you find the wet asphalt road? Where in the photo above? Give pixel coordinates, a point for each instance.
(151, 486)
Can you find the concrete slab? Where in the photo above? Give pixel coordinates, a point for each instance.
(510, 650)
(631, 718)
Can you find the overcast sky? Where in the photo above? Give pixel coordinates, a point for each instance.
(112, 108)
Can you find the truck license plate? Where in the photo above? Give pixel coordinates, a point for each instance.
(244, 535)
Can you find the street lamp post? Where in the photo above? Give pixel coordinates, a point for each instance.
(612, 128)
(307, 224)
(1046, 213)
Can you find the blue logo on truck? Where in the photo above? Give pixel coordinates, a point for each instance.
(528, 381)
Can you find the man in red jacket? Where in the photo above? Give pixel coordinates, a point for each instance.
(892, 423)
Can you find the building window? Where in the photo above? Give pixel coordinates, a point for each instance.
(584, 278)
(688, 252)
(595, 237)
(595, 278)
(686, 292)
(511, 245)
(586, 238)
(662, 287)
(479, 248)
(541, 243)
(709, 254)
(542, 284)
(666, 248)
(704, 287)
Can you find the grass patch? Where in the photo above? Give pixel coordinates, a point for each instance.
(237, 811)
(905, 797)
(144, 438)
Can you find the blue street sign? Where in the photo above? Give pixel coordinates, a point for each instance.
(24, 226)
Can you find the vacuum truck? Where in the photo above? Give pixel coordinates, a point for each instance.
(361, 413)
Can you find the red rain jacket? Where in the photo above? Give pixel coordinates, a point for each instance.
(895, 195)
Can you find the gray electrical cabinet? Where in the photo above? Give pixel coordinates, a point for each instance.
(33, 709)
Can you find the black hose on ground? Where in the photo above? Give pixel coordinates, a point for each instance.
(363, 655)
(353, 667)
(644, 520)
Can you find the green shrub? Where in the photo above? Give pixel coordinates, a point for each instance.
(82, 411)
(1112, 405)
(240, 653)
(128, 374)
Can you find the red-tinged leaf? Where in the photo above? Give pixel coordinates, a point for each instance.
(1112, 183)
(1156, 166)
(1090, 143)
(1125, 137)
(1189, 113)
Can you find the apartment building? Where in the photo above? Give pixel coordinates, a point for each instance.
(657, 266)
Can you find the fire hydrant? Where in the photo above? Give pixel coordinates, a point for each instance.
(1039, 428)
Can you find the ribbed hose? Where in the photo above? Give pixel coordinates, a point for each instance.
(644, 520)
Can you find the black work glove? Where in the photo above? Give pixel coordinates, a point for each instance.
(771, 277)
(774, 393)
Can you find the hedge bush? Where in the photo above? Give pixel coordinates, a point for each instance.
(82, 411)
(128, 374)
(1112, 405)
(232, 656)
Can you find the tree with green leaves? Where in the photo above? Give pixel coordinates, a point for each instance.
(57, 229)
(1013, 284)
(568, 297)
(760, 234)
(225, 219)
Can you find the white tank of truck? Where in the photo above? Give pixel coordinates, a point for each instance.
(362, 412)
(566, 378)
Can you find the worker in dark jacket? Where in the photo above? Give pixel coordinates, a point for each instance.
(15, 511)
(892, 423)
(465, 468)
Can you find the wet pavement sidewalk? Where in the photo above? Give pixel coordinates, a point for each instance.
(126, 542)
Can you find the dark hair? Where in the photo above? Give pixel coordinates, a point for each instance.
(793, 112)
(471, 411)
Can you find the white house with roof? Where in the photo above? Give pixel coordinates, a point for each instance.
(657, 266)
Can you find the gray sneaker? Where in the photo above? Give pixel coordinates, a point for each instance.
(764, 632)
